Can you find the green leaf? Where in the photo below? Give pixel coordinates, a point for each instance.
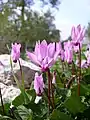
(84, 88)
(24, 98)
(25, 114)
(6, 108)
(74, 105)
(86, 78)
(59, 81)
(19, 100)
(34, 107)
(31, 94)
(57, 115)
(5, 118)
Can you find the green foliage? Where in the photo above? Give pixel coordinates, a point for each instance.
(5, 118)
(57, 115)
(74, 105)
(25, 114)
(28, 26)
(67, 104)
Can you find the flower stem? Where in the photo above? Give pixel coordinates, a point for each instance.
(52, 94)
(73, 68)
(21, 73)
(2, 102)
(79, 77)
(49, 90)
(69, 84)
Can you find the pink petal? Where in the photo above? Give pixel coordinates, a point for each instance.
(33, 57)
(51, 50)
(58, 46)
(38, 83)
(37, 46)
(45, 61)
(43, 49)
(50, 62)
(15, 52)
(73, 33)
(37, 51)
(79, 28)
(70, 56)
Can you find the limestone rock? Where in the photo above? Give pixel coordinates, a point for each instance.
(7, 83)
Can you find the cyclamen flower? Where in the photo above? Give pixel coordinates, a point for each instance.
(83, 63)
(38, 84)
(77, 35)
(68, 53)
(54, 78)
(76, 48)
(15, 52)
(59, 48)
(87, 54)
(44, 55)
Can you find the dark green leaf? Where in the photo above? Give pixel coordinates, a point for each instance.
(57, 115)
(25, 114)
(5, 118)
(74, 105)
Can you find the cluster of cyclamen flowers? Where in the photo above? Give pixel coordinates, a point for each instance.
(45, 55)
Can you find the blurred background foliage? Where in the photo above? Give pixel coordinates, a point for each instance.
(19, 23)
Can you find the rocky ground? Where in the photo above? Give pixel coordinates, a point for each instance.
(8, 85)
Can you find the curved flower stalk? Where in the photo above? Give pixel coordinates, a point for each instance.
(38, 84)
(44, 55)
(77, 35)
(68, 53)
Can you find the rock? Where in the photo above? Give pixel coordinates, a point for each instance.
(8, 92)
(28, 76)
(7, 82)
(6, 75)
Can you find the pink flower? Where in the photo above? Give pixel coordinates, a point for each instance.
(15, 52)
(68, 53)
(54, 78)
(83, 64)
(77, 35)
(59, 48)
(76, 48)
(38, 84)
(44, 55)
(87, 54)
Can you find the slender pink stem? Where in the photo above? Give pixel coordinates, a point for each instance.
(73, 69)
(79, 77)
(20, 67)
(21, 73)
(53, 105)
(49, 90)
